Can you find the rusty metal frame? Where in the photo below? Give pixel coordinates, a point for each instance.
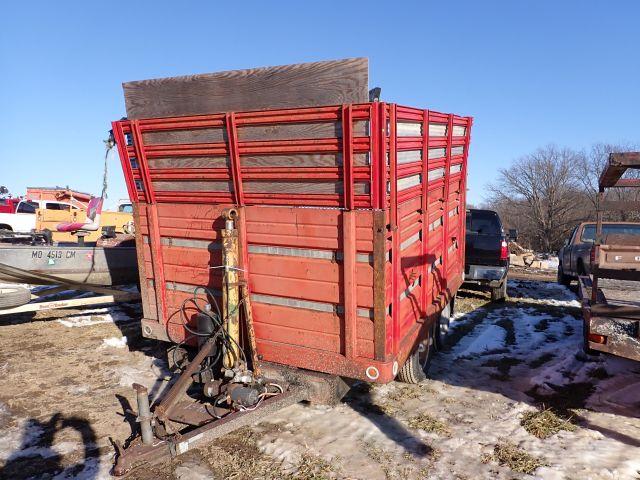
(598, 313)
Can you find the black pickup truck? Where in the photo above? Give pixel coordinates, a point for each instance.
(486, 253)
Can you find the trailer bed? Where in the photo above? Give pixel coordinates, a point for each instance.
(620, 292)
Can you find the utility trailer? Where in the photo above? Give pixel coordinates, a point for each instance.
(350, 224)
(611, 295)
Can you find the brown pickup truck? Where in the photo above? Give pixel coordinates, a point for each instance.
(610, 294)
(575, 256)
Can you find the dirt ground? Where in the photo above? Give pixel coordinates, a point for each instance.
(511, 396)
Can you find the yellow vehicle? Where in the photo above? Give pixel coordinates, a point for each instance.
(50, 217)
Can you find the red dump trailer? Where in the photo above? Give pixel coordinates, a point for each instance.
(352, 224)
(342, 221)
(350, 253)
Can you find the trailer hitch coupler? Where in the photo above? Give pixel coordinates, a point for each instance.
(144, 413)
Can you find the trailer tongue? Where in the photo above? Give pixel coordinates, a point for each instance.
(329, 229)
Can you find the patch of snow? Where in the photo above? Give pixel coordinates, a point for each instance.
(491, 338)
(95, 317)
(94, 468)
(152, 373)
(116, 342)
(192, 470)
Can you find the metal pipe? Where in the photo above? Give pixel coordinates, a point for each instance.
(230, 291)
(144, 413)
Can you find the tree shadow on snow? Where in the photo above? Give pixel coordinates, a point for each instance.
(36, 455)
(360, 399)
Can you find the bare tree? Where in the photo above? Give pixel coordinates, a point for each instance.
(541, 191)
(588, 169)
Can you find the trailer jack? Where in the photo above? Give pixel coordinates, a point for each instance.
(201, 421)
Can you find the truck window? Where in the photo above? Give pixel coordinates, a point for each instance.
(27, 207)
(57, 206)
(484, 223)
(572, 236)
(589, 232)
(126, 208)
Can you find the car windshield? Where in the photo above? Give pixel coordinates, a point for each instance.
(58, 206)
(483, 223)
(27, 207)
(589, 232)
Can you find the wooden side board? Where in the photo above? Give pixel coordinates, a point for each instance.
(300, 85)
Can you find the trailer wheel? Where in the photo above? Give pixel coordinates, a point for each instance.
(443, 326)
(14, 296)
(499, 294)
(417, 364)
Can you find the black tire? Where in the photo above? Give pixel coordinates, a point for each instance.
(562, 278)
(417, 365)
(499, 294)
(442, 329)
(14, 296)
(581, 270)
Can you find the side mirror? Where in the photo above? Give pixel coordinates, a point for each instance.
(513, 234)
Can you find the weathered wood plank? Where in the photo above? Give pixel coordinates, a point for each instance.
(292, 131)
(299, 85)
(257, 186)
(292, 160)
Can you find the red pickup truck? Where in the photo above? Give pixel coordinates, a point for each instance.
(8, 205)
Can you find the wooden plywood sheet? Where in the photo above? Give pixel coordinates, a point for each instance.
(288, 86)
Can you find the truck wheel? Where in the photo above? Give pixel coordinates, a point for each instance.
(11, 296)
(443, 326)
(417, 364)
(562, 278)
(581, 270)
(499, 294)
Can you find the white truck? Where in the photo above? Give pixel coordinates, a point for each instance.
(24, 218)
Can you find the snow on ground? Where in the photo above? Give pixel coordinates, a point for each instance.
(116, 342)
(492, 338)
(94, 317)
(516, 357)
(501, 362)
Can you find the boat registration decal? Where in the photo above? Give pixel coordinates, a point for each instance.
(53, 254)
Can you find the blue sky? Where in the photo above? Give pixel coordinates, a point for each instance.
(530, 72)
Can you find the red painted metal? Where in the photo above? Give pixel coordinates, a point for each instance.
(349, 282)
(236, 171)
(347, 157)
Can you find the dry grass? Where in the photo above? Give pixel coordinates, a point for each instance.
(515, 458)
(430, 424)
(313, 468)
(237, 457)
(544, 423)
(408, 392)
(393, 468)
